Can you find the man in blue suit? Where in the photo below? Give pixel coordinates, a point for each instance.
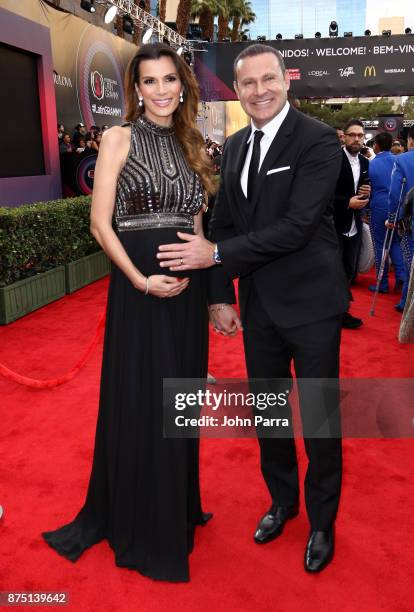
(380, 170)
(403, 169)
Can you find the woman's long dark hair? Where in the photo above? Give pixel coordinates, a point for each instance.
(184, 117)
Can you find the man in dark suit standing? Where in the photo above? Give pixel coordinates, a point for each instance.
(273, 227)
(351, 196)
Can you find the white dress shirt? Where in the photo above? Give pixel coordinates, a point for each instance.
(356, 172)
(269, 133)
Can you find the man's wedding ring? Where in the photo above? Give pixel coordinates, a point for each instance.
(181, 261)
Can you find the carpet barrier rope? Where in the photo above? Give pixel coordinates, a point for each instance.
(55, 382)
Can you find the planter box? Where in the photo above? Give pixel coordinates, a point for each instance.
(86, 270)
(27, 295)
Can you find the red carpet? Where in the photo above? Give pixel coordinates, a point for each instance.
(45, 453)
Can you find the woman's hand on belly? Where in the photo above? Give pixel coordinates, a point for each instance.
(162, 286)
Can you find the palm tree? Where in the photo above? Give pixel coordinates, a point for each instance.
(206, 10)
(162, 8)
(183, 16)
(242, 14)
(223, 18)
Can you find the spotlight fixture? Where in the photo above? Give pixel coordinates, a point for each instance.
(110, 14)
(348, 34)
(318, 35)
(386, 32)
(261, 38)
(147, 36)
(408, 31)
(180, 50)
(367, 33)
(333, 29)
(87, 5)
(226, 39)
(128, 24)
(298, 36)
(279, 36)
(188, 58)
(244, 37)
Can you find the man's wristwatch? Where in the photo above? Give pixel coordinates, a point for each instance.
(216, 256)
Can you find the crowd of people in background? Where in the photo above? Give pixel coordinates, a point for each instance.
(387, 178)
(214, 151)
(380, 151)
(81, 141)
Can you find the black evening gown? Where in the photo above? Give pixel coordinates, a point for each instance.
(144, 494)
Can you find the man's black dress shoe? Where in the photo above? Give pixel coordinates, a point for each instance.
(350, 322)
(319, 550)
(272, 523)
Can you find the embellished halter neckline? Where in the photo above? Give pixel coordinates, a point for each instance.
(156, 128)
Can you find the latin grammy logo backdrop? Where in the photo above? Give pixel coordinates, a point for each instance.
(89, 68)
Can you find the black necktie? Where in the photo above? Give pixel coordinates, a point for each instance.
(254, 164)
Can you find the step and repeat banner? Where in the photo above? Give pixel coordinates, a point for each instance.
(89, 66)
(321, 68)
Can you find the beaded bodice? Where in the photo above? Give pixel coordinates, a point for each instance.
(156, 179)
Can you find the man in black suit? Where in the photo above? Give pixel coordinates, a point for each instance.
(272, 226)
(351, 196)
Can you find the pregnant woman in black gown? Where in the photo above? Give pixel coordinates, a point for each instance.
(144, 494)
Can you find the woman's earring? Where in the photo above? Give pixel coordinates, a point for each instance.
(181, 97)
(140, 103)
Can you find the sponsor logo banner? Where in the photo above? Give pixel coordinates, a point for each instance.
(346, 72)
(370, 71)
(360, 66)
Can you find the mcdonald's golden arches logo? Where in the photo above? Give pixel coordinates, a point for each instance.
(370, 71)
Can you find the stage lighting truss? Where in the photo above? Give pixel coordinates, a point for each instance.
(137, 14)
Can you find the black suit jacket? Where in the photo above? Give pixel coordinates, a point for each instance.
(284, 241)
(345, 190)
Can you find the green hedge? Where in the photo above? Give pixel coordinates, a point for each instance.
(37, 237)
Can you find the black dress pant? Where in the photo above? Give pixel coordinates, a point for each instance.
(350, 248)
(314, 350)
